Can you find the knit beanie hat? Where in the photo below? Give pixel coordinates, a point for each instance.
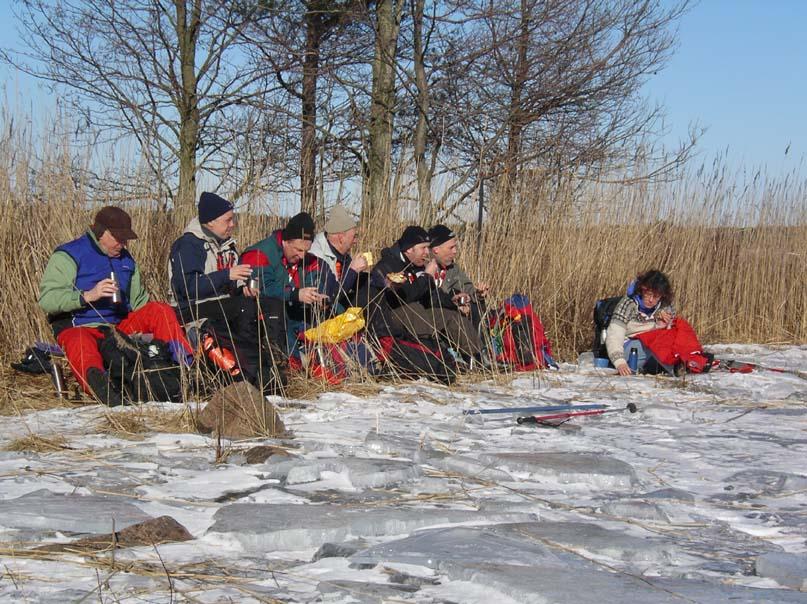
(339, 221)
(300, 226)
(211, 206)
(439, 234)
(411, 236)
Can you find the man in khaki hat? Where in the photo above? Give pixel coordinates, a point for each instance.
(333, 247)
(93, 281)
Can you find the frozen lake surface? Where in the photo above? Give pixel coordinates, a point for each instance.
(700, 496)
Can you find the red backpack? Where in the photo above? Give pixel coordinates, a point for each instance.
(518, 335)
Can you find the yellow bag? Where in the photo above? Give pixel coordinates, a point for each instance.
(337, 329)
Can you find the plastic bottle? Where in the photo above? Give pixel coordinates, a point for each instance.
(633, 360)
(221, 357)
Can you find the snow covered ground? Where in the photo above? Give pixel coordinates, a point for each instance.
(701, 496)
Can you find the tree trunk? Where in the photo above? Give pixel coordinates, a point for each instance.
(308, 135)
(424, 174)
(187, 25)
(382, 109)
(516, 117)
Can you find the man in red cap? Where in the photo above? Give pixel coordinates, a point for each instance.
(94, 281)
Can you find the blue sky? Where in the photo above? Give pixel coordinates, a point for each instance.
(740, 70)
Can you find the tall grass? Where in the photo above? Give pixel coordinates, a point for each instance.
(735, 249)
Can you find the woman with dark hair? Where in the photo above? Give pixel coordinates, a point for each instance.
(647, 306)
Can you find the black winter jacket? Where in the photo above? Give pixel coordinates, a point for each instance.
(418, 287)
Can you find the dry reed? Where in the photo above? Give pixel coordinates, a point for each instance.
(735, 248)
(34, 443)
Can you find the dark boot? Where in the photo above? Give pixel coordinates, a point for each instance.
(102, 388)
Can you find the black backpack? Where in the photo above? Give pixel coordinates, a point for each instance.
(142, 371)
(425, 358)
(260, 361)
(603, 309)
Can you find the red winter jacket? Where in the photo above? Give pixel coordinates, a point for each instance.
(678, 343)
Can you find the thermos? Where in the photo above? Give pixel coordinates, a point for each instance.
(253, 283)
(116, 297)
(633, 360)
(57, 377)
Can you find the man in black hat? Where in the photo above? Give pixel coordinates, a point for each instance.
(412, 302)
(210, 287)
(286, 270)
(93, 281)
(450, 278)
(203, 267)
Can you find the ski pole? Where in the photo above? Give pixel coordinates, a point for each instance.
(533, 409)
(744, 367)
(538, 419)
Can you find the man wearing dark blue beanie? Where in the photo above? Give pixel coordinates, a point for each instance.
(211, 206)
(208, 283)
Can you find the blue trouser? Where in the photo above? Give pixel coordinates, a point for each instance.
(646, 360)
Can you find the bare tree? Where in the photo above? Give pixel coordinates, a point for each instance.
(553, 84)
(376, 191)
(306, 45)
(167, 73)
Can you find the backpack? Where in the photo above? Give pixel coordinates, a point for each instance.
(518, 337)
(334, 362)
(254, 359)
(142, 371)
(426, 358)
(603, 309)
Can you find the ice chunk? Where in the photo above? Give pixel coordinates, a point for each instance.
(548, 584)
(339, 550)
(714, 593)
(266, 527)
(789, 570)
(520, 568)
(72, 513)
(393, 446)
(467, 545)
(463, 465)
(215, 483)
(637, 510)
(767, 482)
(595, 539)
(366, 593)
(358, 473)
(590, 585)
(597, 471)
(672, 494)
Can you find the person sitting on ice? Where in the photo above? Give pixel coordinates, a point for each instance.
(333, 247)
(285, 269)
(93, 281)
(410, 301)
(644, 320)
(469, 297)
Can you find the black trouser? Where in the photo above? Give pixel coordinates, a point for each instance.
(251, 326)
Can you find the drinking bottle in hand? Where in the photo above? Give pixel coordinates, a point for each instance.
(116, 297)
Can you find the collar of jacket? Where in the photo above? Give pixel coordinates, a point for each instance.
(195, 229)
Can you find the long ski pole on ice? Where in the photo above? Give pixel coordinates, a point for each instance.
(545, 419)
(744, 367)
(544, 409)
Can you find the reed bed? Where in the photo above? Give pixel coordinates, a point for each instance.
(735, 246)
